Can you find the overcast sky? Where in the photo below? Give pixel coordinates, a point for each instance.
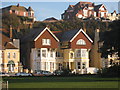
(54, 8)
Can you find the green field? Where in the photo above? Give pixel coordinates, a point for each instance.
(62, 82)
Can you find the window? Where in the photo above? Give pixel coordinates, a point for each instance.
(71, 55)
(46, 42)
(38, 53)
(8, 55)
(78, 65)
(24, 13)
(51, 53)
(43, 53)
(57, 54)
(83, 65)
(85, 13)
(14, 55)
(38, 65)
(83, 53)
(60, 66)
(78, 53)
(81, 42)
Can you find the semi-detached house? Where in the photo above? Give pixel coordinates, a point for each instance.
(43, 50)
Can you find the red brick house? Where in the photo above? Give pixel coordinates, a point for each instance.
(39, 50)
(74, 50)
(19, 10)
(85, 10)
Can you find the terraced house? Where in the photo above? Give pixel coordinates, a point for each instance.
(43, 50)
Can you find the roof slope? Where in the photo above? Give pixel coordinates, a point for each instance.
(13, 7)
(6, 42)
(33, 33)
(97, 7)
(70, 35)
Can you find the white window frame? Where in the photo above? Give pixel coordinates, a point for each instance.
(79, 65)
(78, 53)
(8, 55)
(81, 42)
(83, 52)
(14, 55)
(46, 42)
(38, 53)
(44, 54)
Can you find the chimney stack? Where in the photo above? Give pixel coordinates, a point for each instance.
(11, 32)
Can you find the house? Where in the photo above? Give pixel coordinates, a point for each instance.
(39, 50)
(74, 49)
(43, 50)
(51, 19)
(9, 55)
(85, 10)
(19, 10)
(26, 14)
(113, 16)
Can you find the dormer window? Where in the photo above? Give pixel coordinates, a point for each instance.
(80, 42)
(46, 41)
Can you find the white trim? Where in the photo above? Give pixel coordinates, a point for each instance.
(104, 6)
(81, 30)
(49, 32)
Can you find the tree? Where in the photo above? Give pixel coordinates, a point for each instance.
(111, 39)
(10, 19)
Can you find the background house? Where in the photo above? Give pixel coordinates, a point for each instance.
(85, 10)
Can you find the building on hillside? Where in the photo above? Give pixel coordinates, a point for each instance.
(52, 19)
(85, 10)
(27, 14)
(111, 60)
(10, 55)
(113, 16)
(45, 51)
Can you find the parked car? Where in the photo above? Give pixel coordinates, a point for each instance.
(23, 74)
(62, 72)
(4, 74)
(47, 73)
(42, 73)
(38, 74)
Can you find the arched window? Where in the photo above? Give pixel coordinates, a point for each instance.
(81, 42)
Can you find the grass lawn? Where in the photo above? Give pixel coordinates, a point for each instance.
(62, 82)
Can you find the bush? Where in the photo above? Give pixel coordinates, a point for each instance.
(111, 71)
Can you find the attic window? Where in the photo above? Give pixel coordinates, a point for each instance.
(46, 42)
(80, 42)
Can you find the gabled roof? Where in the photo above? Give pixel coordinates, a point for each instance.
(34, 34)
(13, 7)
(30, 9)
(6, 42)
(18, 8)
(98, 6)
(70, 35)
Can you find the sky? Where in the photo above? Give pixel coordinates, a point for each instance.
(45, 9)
